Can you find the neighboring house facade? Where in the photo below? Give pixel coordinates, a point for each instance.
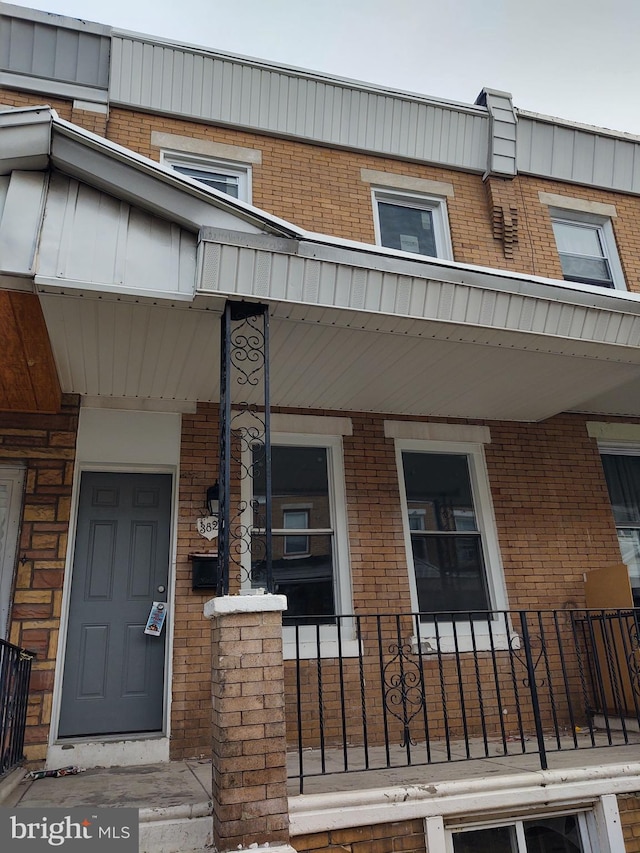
(454, 300)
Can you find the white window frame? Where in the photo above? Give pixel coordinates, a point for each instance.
(449, 639)
(436, 205)
(240, 171)
(343, 598)
(602, 225)
(586, 824)
(623, 448)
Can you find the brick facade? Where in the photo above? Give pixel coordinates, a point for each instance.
(45, 445)
(551, 508)
(500, 224)
(549, 495)
(406, 836)
(629, 805)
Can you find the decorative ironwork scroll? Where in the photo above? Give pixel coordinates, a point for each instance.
(633, 656)
(244, 541)
(403, 688)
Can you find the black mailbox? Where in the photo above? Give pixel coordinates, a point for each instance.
(204, 570)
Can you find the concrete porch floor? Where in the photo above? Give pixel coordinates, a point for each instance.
(174, 798)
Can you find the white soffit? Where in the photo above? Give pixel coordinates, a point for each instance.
(133, 348)
(140, 349)
(361, 290)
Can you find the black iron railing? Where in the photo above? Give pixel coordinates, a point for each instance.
(15, 672)
(393, 690)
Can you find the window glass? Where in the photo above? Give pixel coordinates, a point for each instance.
(410, 229)
(558, 834)
(582, 251)
(446, 542)
(303, 565)
(577, 239)
(295, 519)
(228, 184)
(553, 835)
(622, 473)
(497, 839)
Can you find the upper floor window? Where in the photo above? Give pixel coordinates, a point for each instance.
(587, 249)
(412, 223)
(234, 179)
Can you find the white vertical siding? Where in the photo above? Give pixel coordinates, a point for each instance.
(570, 153)
(52, 52)
(91, 237)
(218, 88)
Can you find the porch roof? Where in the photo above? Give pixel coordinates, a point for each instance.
(354, 326)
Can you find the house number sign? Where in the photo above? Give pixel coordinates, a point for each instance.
(208, 527)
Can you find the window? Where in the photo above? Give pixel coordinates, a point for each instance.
(587, 249)
(446, 539)
(622, 472)
(310, 567)
(296, 519)
(234, 179)
(567, 833)
(451, 541)
(412, 223)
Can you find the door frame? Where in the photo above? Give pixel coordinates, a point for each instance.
(136, 748)
(16, 472)
(140, 747)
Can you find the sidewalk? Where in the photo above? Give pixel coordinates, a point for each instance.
(173, 798)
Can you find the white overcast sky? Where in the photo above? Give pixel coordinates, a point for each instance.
(577, 59)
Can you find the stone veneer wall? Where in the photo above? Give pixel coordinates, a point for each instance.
(45, 445)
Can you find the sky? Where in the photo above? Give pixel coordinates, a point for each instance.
(576, 59)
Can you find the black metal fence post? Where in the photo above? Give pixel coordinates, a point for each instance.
(533, 689)
(245, 425)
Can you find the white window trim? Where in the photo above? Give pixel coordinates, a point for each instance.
(462, 639)
(620, 448)
(608, 240)
(436, 204)
(307, 648)
(241, 171)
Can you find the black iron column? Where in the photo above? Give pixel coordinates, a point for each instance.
(244, 539)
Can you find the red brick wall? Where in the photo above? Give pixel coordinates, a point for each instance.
(629, 805)
(405, 836)
(552, 516)
(45, 444)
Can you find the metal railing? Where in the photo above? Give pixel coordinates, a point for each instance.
(370, 692)
(15, 672)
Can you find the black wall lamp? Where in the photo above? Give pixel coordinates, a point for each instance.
(213, 498)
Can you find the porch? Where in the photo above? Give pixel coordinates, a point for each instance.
(175, 807)
(416, 712)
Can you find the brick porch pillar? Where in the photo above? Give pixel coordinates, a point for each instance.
(250, 804)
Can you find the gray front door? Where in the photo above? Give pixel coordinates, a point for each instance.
(114, 673)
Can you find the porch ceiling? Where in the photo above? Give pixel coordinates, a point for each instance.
(336, 359)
